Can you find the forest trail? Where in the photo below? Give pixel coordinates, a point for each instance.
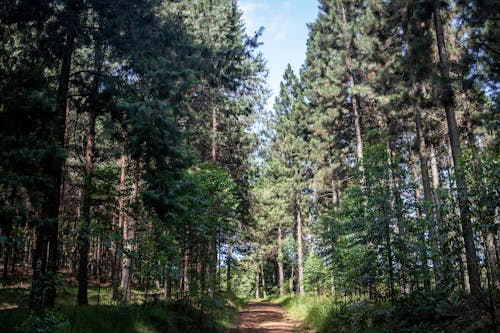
(263, 317)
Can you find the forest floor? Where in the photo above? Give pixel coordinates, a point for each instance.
(264, 317)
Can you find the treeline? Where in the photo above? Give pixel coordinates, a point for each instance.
(124, 144)
(380, 177)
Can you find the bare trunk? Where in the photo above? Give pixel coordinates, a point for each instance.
(129, 238)
(84, 236)
(257, 296)
(490, 249)
(122, 215)
(300, 260)
(7, 231)
(214, 135)
(39, 270)
(229, 259)
(281, 275)
(354, 102)
(442, 237)
(129, 227)
(186, 262)
(212, 264)
(264, 292)
(44, 289)
(421, 234)
(449, 105)
(430, 216)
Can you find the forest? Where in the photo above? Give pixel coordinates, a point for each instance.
(146, 186)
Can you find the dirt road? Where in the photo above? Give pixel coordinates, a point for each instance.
(263, 317)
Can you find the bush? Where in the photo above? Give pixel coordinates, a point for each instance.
(46, 322)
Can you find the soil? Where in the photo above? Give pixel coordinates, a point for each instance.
(264, 317)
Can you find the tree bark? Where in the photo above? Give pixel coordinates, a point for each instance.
(214, 135)
(264, 292)
(446, 267)
(281, 275)
(354, 101)
(84, 236)
(300, 260)
(490, 249)
(129, 228)
(430, 215)
(43, 292)
(421, 234)
(228, 276)
(122, 214)
(447, 98)
(257, 296)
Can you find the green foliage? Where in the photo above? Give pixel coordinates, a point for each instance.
(317, 276)
(172, 317)
(422, 312)
(46, 322)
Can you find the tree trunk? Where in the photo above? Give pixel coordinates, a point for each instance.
(228, 276)
(449, 105)
(300, 260)
(214, 135)
(7, 231)
(264, 292)
(185, 269)
(257, 296)
(421, 233)
(490, 249)
(281, 275)
(84, 237)
(122, 215)
(43, 290)
(430, 216)
(39, 270)
(354, 101)
(129, 238)
(446, 267)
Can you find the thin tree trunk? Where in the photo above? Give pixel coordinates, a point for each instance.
(229, 259)
(430, 216)
(129, 227)
(257, 296)
(449, 105)
(354, 102)
(122, 214)
(84, 236)
(300, 260)
(186, 263)
(214, 135)
(281, 275)
(446, 267)
(7, 231)
(264, 292)
(212, 265)
(490, 249)
(421, 234)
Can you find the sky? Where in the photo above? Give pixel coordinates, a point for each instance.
(285, 35)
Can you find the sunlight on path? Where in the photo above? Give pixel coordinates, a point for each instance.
(263, 317)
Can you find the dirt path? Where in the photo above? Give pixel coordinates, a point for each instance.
(263, 317)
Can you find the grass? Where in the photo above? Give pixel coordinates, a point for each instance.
(312, 310)
(108, 316)
(327, 315)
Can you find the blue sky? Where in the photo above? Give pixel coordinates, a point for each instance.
(285, 33)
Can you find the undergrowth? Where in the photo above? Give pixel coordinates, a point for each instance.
(420, 313)
(150, 317)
